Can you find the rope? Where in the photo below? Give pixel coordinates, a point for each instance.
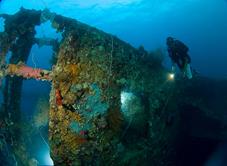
(127, 127)
(45, 142)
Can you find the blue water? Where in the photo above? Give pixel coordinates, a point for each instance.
(202, 25)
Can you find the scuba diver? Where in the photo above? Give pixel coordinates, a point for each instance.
(178, 52)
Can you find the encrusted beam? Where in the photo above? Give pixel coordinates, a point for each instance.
(24, 71)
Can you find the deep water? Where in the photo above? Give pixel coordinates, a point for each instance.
(202, 25)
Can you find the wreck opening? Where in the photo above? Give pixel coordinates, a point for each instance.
(36, 91)
(8, 57)
(37, 109)
(46, 31)
(26, 114)
(40, 57)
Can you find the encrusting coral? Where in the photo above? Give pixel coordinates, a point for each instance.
(28, 72)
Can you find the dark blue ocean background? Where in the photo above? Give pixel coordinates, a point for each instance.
(200, 24)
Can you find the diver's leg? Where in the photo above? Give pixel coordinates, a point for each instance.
(188, 71)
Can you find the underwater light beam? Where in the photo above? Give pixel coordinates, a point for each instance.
(48, 160)
(125, 96)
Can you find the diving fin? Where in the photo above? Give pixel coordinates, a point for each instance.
(188, 71)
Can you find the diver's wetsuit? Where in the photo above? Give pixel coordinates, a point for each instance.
(178, 53)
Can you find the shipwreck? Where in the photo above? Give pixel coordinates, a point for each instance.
(110, 103)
